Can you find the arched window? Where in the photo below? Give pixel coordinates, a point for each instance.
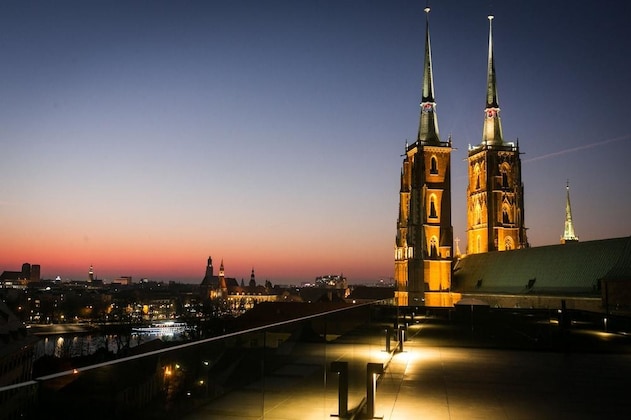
(433, 247)
(505, 171)
(433, 166)
(476, 175)
(432, 207)
(508, 243)
(505, 218)
(478, 214)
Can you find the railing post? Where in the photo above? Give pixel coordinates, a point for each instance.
(372, 371)
(401, 337)
(341, 368)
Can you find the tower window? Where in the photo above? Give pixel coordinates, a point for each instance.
(432, 208)
(505, 171)
(433, 249)
(476, 173)
(433, 166)
(506, 211)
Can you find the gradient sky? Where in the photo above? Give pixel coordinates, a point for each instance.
(143, 136)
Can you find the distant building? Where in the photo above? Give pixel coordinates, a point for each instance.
(123, 280)
(234, 297)
(337, 281)
(216, 286)
(28, 274)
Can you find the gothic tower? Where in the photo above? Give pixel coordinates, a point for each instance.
(222, 286)
(424, 240)
(495, 194)
(208, 278)
(252, 279)
(568, 232)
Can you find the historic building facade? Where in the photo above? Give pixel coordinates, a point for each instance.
(495, 193)
(424, 240)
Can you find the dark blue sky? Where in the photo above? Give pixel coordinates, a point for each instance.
(142, 136)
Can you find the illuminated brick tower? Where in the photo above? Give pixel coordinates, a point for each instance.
(495, 194)
(423, 249)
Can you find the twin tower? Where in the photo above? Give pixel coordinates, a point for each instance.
(424, 254)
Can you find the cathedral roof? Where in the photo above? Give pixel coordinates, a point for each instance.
(575, 268)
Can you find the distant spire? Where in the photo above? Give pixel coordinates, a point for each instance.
(458, 253)
(428, 125)
(568, 233)
(222, 279)
(252, 279)
(492, 133)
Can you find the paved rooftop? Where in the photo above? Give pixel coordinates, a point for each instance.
(447, 375)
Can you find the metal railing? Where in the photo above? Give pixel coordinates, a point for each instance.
(281, 369)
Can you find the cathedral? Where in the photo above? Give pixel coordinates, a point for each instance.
(499, 268)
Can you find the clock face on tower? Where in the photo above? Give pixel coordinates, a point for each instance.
(490, 113)
(426, 108)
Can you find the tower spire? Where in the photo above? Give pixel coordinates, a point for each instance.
(492, 133)
(568, 233)
(428, 125)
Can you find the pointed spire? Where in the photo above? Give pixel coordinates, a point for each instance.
(428, 125)
(491, 88)
(492, 133)
(458, 253)
(568, 233)
(252, 279)
(222, 279)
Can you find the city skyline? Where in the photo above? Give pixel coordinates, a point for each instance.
(142, 137)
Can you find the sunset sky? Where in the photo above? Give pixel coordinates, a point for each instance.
(142, 137)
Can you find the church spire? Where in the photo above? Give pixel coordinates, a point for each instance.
(492, 133)
(222, 278)
(568, 233)
(428, 125)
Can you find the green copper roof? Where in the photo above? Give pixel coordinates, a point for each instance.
(571, 268)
